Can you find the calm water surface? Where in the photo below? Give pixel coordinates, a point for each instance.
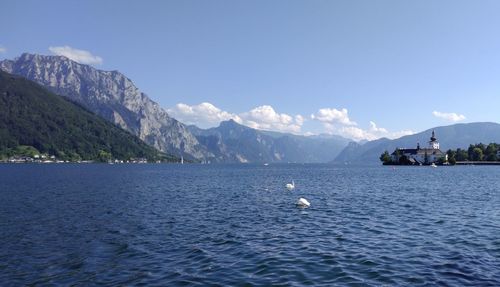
(237, 225)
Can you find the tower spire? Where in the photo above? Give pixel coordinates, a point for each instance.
(433, 143)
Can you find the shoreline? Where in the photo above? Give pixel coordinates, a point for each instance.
(477, 163)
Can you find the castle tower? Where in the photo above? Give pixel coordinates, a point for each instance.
(433, 143)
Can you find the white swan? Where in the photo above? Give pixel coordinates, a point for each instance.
(302, 202)
(290, 186)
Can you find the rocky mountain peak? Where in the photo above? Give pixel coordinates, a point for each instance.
(111, 95)
(230, 124)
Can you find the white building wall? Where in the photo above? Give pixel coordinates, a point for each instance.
(432, 158)
(434, 145)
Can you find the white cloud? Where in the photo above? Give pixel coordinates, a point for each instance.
(452, 117)
(338, 122)
(300, 119)
(382, 132)
(2, 49)
(263, 117)
(266, 118)
(356, 133)
(375, 129)
(333, 116)
(372, 133)
(80, 56)
(203, 115)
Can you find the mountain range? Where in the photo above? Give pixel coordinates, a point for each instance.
(232, 142)
(450, 137)
(33, 117)
(114, 97)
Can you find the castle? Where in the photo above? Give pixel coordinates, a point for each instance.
(421, 156)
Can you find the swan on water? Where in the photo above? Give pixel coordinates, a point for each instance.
(302, 202)
(290, 186)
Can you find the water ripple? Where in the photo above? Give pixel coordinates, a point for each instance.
(236, 225)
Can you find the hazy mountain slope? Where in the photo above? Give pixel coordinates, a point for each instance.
(354, 151)
(449, 137)
(234, 142)
(31, 115)
(111, 95)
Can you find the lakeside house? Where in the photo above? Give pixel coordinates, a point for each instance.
(421, 156)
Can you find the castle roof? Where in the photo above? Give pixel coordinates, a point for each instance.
(433, 137)
(420, 151)
(405, 151)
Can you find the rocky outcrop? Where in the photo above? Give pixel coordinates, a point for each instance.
(112, 96)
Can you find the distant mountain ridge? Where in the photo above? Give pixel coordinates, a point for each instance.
(112, 96)
(233, 142)
(115, 98)
(449, 137)
(32, 116)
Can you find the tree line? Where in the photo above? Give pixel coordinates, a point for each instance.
(475, 152)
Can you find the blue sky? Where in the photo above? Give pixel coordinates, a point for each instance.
(363, 69)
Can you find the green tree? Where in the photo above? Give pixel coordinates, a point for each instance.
(482, 147)
(451, 156)
(491, 152)
(104, 156)
(26, 151)
(385, 157)
(477, 154)
(470, 151)
(73, 156)
(461, 155)
(492, 157)
(397, 156)
(451, 153)
(397, 153)
(404, 160)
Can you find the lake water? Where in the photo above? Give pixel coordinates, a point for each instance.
(237, 225)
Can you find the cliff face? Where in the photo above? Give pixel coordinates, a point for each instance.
(112, 96)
